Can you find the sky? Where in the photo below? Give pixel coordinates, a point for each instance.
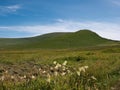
(28, 18)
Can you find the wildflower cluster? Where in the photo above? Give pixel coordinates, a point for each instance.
(82, 69)
(33, 72)
(53, 74)
(57, 70)
(61, 69)
(87, 81)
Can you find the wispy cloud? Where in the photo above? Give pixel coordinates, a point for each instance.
(9, 9)
(115, 2)
(104, 29)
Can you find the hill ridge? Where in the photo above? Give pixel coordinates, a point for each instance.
(56, 40)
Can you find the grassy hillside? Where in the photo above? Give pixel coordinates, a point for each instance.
(85, 62)
(82, 38)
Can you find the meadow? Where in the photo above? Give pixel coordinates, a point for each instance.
(60, 69)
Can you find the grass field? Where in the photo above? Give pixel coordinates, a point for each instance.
(60, 69)
(60, 61)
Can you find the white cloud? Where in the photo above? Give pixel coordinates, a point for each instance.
(104, 29)
(9, 9)
(115, 2)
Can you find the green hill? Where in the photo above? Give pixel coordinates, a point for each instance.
(82, 38)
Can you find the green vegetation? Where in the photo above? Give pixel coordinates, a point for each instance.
(87, 62)
(31, 69)
(82, 38)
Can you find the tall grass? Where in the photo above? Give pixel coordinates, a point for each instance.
(35, 70)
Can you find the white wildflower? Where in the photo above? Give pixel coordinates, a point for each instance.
(48, 78)
(40, 69)
(24, 76)
(2, 78)
(44, 72)
(78, 73)
(82, 69)
(63, 68)
(51, 68)
(55, 62)
(57, 66)
(93, 77)
(12, 77)
(33, 77)
(6, 71)
(64, 63)
(86, 67)
(68, 71)
(55, 73)
(63, 73)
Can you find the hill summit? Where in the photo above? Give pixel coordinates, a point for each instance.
(81, 38)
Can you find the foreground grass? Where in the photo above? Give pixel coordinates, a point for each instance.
(34, 69)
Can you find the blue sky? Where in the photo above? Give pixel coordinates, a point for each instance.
(26, 18)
